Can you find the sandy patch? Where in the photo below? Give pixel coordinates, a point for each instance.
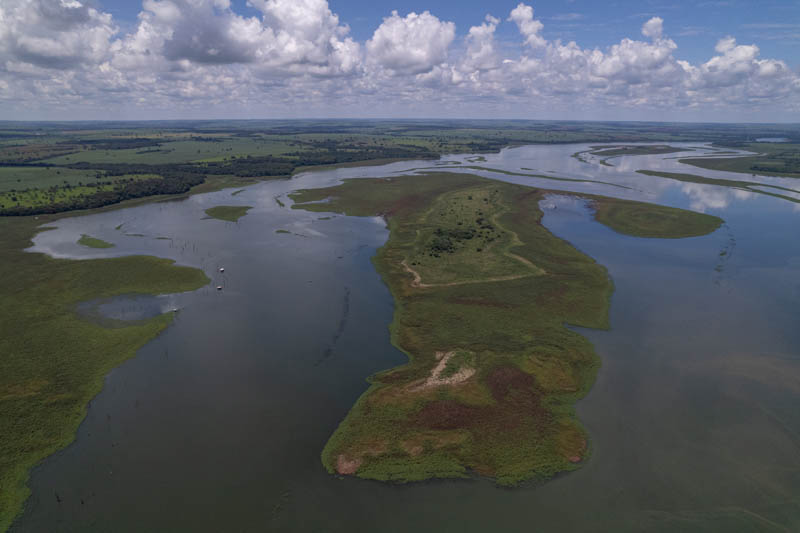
(436, 379)
(347, 466)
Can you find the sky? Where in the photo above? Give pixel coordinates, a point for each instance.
(717, 60)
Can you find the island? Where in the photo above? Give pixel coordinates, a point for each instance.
(483, 296)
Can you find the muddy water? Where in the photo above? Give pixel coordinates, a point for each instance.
(217, 425)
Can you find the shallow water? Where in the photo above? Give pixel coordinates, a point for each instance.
(217, 425)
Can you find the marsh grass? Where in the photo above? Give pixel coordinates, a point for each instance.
(228, 213)
(52, 361)
(514, 418)
(93, 242)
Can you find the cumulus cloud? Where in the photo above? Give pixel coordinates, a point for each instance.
(297, 55)
(522, 16)
(59, 34)
(412, 44)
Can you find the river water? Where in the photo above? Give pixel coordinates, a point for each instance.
(217, 424)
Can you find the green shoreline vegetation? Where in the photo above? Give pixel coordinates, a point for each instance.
(772, 159)
(465, 254)
(93, 242)
(749, 186)
(228, 213)
(54, 361)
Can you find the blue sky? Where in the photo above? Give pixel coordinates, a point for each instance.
(717, 60)
(773, 24)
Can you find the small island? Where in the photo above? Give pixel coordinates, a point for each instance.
(467, 254)
(228, 213)
(93, 242)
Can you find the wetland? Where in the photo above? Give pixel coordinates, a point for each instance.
(687, 380)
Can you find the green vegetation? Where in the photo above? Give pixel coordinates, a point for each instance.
(653, 221)
(229, 213)
(750, 186)
(774, 159)
(93, 242)
(283, 231)
(53, 361)
(650, 149)
(168, 158)
(18, 178)
(464, 255)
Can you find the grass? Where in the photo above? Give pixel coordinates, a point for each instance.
(21, 178)
(64, 194)
(229, 213)
(181, 151)
(774, 159)
(650, 149)
(53, 361)
(501, 311)
(653, 221)
(93, 242)
(750, 186)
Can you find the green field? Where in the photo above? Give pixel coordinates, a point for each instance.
(216, 149)
(476, 397)
(53, 361)
(21, 178)
(229, 213)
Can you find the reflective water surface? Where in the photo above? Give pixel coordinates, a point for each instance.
(217, 425)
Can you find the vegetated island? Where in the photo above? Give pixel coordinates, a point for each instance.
(647, 149)
(53, 360)
(93, 242)
(749, 186)
(228, 213)
(482, 294)
(772, 159)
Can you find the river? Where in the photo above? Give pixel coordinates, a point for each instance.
(217, 425)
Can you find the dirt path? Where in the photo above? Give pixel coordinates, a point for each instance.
(417, 282)
(435, 379)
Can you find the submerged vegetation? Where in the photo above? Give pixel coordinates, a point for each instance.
(229, 213)
(464, 255)
(93, 242)
(53, 360)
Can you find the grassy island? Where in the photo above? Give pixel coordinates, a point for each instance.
(229, 213)
(52, 361)
(482, 292)
(772, 159)
(93, 242)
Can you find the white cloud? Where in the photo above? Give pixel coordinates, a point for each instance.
(412, 44)
(522, 16)
(653, 28)
(296, 56)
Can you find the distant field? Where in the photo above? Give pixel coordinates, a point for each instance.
(21, 178)
(775, 159)
(60, 194)
(181, 152)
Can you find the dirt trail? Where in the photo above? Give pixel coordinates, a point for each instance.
(435, 379)
(417, 282)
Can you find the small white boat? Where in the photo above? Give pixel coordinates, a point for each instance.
(221, 269)
(219, 287)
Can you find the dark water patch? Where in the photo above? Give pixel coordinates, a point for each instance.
(122, 310)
